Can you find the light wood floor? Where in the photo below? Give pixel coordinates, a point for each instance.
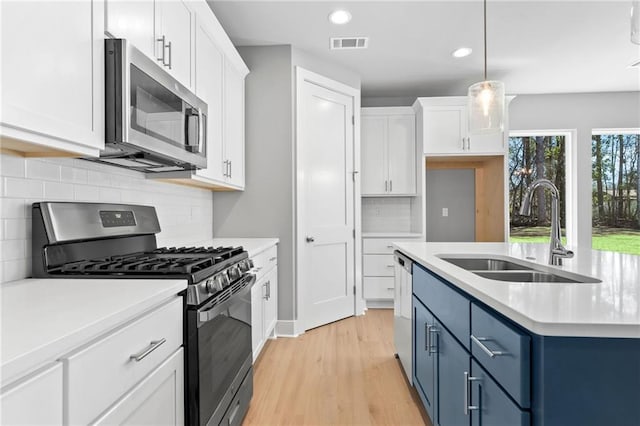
(344, 373)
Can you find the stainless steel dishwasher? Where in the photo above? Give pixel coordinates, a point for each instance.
(402, 312)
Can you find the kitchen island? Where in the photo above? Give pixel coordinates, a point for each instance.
(500, 352)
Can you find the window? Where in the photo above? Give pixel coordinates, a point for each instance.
(615, 181)
(535, 156)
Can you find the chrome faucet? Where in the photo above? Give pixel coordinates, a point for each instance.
(556, 250)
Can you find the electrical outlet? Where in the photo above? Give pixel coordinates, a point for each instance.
(445, 212)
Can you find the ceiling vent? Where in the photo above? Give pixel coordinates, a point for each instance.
(338, 43)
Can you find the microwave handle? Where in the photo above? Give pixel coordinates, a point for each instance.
(194, 145)
(201, 142)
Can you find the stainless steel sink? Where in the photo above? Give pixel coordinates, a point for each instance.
(485, 264)
(505, 268)
(524, 276)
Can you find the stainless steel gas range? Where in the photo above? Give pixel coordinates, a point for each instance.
(91, 240)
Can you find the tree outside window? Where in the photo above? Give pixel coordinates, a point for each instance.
(531, 158)
(615, 183)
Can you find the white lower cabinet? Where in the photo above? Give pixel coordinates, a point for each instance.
(156, 400)
(264, 299)
(378, 268)
(34, 400)
(100, 376)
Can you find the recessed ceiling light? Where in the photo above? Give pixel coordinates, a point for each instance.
(339, 17)
(462, 52)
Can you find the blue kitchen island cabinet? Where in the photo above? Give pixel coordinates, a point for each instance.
(499, 373)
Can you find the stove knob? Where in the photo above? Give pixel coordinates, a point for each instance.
(245, 265)
(212, 285)
(224, 279)
(234, 273)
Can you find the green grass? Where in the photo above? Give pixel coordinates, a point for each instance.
(607, 239)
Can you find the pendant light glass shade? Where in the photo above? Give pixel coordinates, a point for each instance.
(486, 107)
(635, 22)
(486, 99)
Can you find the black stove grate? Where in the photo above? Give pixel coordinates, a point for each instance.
(183, 260)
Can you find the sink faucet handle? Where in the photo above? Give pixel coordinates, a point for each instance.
(559, 253)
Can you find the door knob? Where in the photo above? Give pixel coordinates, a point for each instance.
(310, 239)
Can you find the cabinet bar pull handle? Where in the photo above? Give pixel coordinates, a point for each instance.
(433, 348)
(230, 169)
(390, 246)
(169, 46)
(390, 185)
(155, 344)
(162, 41)
(271, 259)
(390, 266)
(427, 343)
(390, 288)
(467, 390)
(463, 143)
(478, 341)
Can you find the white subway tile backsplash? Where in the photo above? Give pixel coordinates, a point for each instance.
(14, 229)
(13, 208)
(185, 214)
(22, 188)
(43, 170)
(11, 165)
(390, 214)
(85, 193)
(12, 249)
(58, 191)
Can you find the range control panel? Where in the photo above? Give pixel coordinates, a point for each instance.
(113, 218)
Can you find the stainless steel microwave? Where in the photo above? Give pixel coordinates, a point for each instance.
(152, 122)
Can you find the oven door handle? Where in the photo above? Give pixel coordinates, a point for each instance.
(205, 315)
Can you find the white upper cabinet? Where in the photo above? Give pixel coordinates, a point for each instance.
(160, 29)
(234, 125)
(173, 38)
(445, 129)
(52, 80)
(388, 151)
(209, 87)
(134, 21)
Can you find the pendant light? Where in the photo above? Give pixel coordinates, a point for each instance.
(486, 99)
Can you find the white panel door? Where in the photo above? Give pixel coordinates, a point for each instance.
(401, 146)
(173, 21)
(134, 21)
(444, 129)
(234, 124)
(373, 155)
(326, 222)
(209, 86)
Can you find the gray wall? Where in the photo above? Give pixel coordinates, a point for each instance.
(266, 208)
(582, 112)
(455, 190)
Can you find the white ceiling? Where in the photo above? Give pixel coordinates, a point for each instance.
(533, 46)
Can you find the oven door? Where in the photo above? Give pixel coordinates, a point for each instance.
(148, 110)
(219, 357)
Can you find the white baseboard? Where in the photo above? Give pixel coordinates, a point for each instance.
(286, 328)
(379, 304)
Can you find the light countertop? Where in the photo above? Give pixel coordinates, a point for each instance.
(43, 319)
(253, 246)
(607, 309)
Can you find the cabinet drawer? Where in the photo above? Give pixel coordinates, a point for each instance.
(264, 261)
(382, 245)
(449, 306)
(494, 406)
(377, 245)
(96, 376)
(511, 349)
(378, 287)
(378, 265)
